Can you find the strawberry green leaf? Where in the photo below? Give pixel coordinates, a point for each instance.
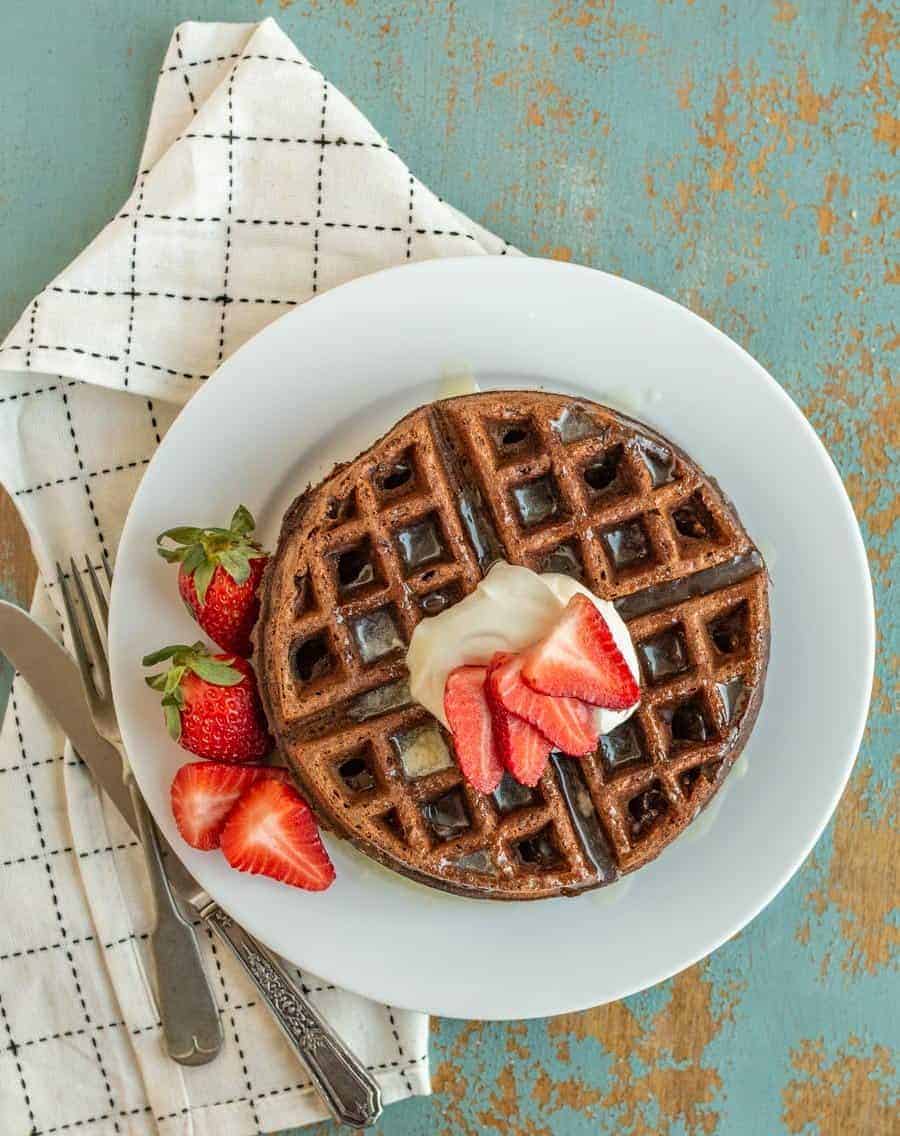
(172, 555)
(173, 679)
(184, 534)
(173, 722)
(164, 653)
(242, 522)
(156, 682)
(214, 671)
(174, 698)
(237, 565)
(202, 579)
(193, 558)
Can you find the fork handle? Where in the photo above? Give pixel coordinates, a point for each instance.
(187, 1009)
(351, 1094)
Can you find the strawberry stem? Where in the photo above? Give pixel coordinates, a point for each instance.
(200, 551)
(217, 672)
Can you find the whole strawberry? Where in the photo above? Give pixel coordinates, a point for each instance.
(218, 573)
(211, 703)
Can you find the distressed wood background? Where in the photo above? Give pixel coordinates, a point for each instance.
(738, 156)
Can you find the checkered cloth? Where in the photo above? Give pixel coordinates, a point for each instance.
(260, 185)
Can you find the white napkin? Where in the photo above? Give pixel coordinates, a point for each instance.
(260, 185)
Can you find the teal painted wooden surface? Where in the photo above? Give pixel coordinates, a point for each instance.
(736, 156)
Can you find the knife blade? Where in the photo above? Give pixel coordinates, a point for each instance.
(53, 675)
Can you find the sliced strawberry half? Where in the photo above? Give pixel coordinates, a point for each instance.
(566, 722)
(524, 750)
(580, 659)
(272, 832)
(469, 717)
(205, 792)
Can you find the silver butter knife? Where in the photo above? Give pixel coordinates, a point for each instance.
(351, 1094)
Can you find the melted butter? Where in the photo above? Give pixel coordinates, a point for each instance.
(457, 381)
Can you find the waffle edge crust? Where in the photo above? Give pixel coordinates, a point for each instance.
(410, 527)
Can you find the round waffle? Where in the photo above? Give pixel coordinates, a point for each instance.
(410, 527)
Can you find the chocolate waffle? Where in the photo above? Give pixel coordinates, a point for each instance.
(408, 528)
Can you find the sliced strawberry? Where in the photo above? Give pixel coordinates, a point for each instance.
(204, 793)
(580, 659)
(566, 722)
(272, 832)
(523, 750)
(469, 716)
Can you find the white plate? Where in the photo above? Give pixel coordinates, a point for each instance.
(326, 380)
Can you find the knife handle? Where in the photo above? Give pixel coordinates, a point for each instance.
(351, 1094)
(187, 1009)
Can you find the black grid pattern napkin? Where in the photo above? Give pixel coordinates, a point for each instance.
(260, 185)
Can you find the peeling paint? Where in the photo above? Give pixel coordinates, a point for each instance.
(660, 1081)
(851, 1084)
(785, 12)
(861, 886)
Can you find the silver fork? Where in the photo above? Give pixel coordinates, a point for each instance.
(187, 1009)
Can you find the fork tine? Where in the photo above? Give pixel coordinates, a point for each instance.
(106, 568)
(94, 635)
(99, 594)
(81, 651)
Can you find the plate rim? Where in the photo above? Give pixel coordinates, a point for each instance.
(443, 266)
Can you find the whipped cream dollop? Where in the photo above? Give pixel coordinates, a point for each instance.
(511, 609)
